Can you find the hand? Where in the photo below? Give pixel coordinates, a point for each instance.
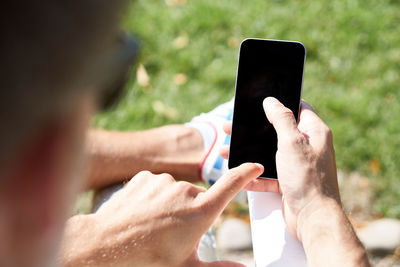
(305, 163)
(156, 221)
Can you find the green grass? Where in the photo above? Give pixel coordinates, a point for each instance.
(351, 76)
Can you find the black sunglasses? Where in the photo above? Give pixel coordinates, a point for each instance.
(123, 56)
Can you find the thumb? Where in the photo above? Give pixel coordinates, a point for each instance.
(226, 188)
(280, 117)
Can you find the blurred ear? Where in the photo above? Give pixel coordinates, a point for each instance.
(38, 185)
(32, 174)
(29, 194)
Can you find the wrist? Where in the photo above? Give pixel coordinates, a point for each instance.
(328, 237)
(78, 242)
(313, 216)
(184, 154)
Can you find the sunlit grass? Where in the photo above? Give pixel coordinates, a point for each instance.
(352, 74)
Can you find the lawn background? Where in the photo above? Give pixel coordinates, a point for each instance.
(189, 52)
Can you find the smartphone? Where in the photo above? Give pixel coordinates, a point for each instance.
(266, 68)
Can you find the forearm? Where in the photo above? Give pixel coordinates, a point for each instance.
(328, 237)
(117, 156)
(77, 248)
(88, 243)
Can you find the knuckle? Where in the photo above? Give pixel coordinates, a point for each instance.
(183, 186)
(296, 140)
(144, 173)
(166, 177)
(141, 178)
(284, 114)
(203, 206)
(235, 174)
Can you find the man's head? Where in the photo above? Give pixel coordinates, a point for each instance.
(52, 56)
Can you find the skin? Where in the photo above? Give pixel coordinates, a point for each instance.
(161, 226)
(307, 180)
(38, 186)
(118, 156)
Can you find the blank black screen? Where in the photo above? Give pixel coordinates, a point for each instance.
(266, 68)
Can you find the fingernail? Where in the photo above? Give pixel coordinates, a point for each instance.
(272, 101)
(260, 166)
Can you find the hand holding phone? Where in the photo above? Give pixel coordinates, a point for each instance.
(266, 68)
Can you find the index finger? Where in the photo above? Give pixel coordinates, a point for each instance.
(226, 188)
